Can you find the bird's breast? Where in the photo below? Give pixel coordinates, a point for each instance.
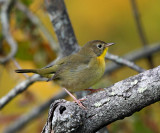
(101, 62)
(83, 76)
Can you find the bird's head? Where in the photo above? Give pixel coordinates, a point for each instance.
(95, 48)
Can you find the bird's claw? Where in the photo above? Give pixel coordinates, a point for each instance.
(79, 103)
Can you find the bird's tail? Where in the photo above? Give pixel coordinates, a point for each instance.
(26, 71)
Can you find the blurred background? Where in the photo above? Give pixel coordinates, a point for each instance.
(107, 20)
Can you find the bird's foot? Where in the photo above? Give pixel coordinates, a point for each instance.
(82, 99)
(94, 90)
(75, 99)
(79, 102)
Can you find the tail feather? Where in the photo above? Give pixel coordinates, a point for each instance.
(26, 71)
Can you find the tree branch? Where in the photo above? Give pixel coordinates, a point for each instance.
(19, 89)
(62, 26)
(125, 62)
(34, 113)
(117, 102)
(5, 30)
(134, 56)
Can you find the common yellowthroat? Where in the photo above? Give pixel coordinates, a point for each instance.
(78, 71)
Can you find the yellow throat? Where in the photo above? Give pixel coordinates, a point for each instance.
(101, 58)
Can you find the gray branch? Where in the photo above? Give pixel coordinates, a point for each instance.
(62, 26)
(18, 89)
(117, 102)
(34, 113)
(5, 30)
(125, 62)
(134, 56)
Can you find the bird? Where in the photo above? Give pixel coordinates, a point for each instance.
(78, 71)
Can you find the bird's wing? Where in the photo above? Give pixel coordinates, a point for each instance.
(51, 69)
(71, 63)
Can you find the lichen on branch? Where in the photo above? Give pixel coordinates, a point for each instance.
(114, 103)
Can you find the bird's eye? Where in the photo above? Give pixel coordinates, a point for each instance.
(99, 46)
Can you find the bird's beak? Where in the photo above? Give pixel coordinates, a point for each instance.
(109, 44)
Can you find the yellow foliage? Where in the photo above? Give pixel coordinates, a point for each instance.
(37, 8)
(18, 35)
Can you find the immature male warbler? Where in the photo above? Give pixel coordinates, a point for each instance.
(78, 71)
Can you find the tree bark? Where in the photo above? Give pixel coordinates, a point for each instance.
(62, 26)
(114, 103)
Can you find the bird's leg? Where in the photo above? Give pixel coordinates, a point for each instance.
(94, 90)
(75, 99)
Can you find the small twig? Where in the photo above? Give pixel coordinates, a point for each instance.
(138, 23)
(5, 30)
(34, 113)
(19, 89)
(140, 29)
(125, 62)
(134, 56)
(35, 20)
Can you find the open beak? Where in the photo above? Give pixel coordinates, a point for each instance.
(109, 44)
